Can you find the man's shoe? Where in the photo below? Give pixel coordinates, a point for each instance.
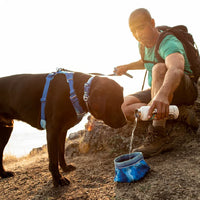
(188, 116)
(155, 143)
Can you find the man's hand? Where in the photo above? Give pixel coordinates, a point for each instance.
(120, 70)
(161, 106)
(163, 94)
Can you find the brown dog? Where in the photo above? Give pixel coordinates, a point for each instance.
(20, 100)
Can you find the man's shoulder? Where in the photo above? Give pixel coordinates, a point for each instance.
(170, 44)
(169, 40)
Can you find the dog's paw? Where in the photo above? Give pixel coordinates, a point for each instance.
(61, 182)
(69, 168)
(6, 174)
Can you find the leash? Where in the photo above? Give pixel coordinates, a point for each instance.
(74, 99)
(144, 80)
(98, 74)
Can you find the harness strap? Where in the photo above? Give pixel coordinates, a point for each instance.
(43, 99)
(69, 77)
(79, 110)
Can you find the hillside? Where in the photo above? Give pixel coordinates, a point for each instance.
(173, 175)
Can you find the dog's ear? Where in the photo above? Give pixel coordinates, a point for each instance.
(97, 100)
(105, 100)
(97, 106)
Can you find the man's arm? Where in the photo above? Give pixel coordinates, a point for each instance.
(163, 97)
(132, 66)
(175, 70)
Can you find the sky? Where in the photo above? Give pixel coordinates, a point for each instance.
(39, 36)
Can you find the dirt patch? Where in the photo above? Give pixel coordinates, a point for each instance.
(173, 175)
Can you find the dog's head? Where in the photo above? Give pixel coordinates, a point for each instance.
(106, 98)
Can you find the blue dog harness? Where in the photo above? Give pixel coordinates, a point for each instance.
(69, 77)
(43, 99)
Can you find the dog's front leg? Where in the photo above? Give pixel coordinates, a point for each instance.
(63, 165)
(5, 132)
(53, 151)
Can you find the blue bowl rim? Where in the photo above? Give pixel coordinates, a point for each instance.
(130, 159)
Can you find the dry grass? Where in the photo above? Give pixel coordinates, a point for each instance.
(8, 158)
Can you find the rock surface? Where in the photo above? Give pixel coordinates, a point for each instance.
(174, 175)
(98, 137)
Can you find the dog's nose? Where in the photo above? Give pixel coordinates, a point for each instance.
(119, 124)
(123, 123)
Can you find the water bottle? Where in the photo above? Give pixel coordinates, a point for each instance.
(142, 113)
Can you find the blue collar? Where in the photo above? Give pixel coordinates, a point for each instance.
(87, 92)
(78, 109)
(87, 89)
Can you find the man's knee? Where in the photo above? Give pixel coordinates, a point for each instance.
(129, 100)
(129, 106)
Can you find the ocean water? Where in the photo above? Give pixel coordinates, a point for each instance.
(24, 138)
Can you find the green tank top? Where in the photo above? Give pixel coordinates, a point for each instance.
(170, 44)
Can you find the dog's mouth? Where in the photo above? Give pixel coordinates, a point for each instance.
(116, 122)
(118, 125)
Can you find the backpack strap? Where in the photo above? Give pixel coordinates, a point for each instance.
(142, 52)
(191, 50)
(166, 30)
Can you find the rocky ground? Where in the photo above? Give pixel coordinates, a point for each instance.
(174, 175)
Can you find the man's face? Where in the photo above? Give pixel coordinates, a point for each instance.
(143, 31)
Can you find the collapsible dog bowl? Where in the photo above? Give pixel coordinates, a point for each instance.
(130, 167)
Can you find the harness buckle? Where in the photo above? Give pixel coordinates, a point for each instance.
(85, 97)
